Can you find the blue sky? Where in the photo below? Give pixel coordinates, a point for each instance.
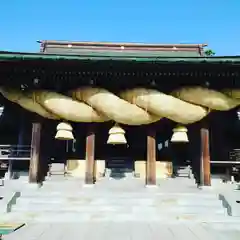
(216, 22)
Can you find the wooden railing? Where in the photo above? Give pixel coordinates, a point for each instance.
(10, 153)
(15, 152)
(234, 158)
(232, 166)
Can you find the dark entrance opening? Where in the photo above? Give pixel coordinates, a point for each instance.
(119, 158)
(180, 158)
(119, 161)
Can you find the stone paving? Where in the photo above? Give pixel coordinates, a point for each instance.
(144, 227)
(121, 231)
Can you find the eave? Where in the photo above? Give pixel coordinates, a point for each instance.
(138, 57)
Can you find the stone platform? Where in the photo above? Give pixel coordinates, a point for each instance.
(121, 209)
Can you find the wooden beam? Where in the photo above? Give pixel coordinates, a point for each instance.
(151, 158)
(90, 154)
(205, 157)
(34, 167)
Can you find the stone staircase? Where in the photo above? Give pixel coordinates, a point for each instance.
(185, 171)
(68, 200)
(118, 173)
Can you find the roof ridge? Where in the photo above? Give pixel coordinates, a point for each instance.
(127, 44)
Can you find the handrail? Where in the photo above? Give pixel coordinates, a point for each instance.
(13, 145)
(10, 153)
(15, 153)
(225, 162)
(15, 158)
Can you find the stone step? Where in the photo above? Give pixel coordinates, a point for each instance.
(56, 183)
(116, 199)
(164, 201)
(120, 187)
(92, 191)
(179, 181)
(184, 171)
(117, 209)
(215, 220)
(124, 185)
(131, 196)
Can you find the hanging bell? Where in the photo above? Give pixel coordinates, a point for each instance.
(116, 135)
(64, 131)
(180, 134)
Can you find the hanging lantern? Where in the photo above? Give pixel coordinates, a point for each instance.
(116, 135)
(64, 131)
(180, 134)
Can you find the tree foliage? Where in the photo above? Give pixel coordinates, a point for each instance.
(209, 53)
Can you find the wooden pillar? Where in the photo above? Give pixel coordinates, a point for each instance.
(205, 157)
(151, 158)
(90, 154)
(34, 166)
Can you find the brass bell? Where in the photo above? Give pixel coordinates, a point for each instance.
(180, 134)
(116, 135)
(64, 131)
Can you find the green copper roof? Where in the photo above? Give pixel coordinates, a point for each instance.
(137, 56)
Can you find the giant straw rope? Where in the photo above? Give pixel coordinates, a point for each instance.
(133, 107)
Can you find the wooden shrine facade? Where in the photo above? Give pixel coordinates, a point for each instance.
(64, 66)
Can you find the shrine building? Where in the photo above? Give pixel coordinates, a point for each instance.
(113, 109)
